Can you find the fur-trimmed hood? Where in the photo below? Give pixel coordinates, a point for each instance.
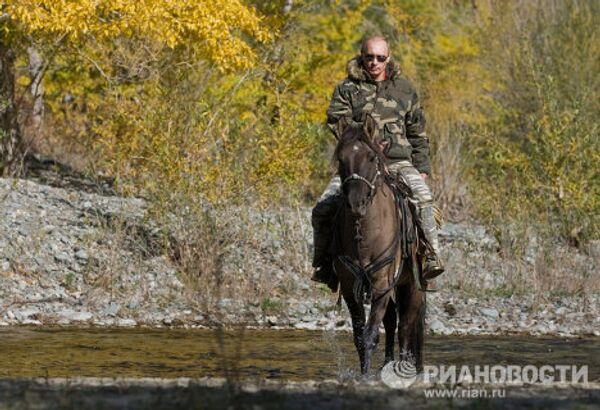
(357, 72)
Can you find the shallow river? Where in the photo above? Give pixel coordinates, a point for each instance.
(253, 356)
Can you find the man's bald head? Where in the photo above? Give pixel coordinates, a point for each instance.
(370, 41)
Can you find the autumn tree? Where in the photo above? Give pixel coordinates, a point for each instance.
(224, 32)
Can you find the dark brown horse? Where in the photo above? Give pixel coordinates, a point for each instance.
(371, 255)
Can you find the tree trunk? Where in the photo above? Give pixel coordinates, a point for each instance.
(36, 72)
(11, 152)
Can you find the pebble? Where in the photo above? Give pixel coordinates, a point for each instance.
(449, 308)
(126, 322)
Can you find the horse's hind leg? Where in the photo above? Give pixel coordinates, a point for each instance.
(357, 314)
(389, 322)
(411, 324)
(378, 309)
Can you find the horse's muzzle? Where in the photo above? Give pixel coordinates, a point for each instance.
(358, 208)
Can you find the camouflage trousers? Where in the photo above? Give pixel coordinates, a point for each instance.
(324, 210)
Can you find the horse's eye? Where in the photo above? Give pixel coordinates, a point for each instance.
(372, 156)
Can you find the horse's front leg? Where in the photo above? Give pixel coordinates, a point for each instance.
(357, 315)
(411, 324)
(379, 304)
(390, 322)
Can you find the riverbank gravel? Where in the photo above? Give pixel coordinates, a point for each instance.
(74, 258)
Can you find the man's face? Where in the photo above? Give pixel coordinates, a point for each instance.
(376, 50)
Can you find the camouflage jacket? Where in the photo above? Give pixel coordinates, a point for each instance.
(394, 105)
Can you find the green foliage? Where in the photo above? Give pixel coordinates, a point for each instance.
(269, 305)
(536, 159)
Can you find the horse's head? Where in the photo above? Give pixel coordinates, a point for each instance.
(360, 165)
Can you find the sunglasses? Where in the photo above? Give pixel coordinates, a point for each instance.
(371, 57)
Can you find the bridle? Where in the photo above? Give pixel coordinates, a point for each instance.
(371, 184)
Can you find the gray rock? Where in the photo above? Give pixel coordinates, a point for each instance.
(301, 309)
(23, 231)
(62, 257)
(436, 326)
(73, 316)
(126, 322)
(24, 314)
(134, 303)
(111, 310)
(81, 254)
(306, 326)
(489, 312)
(31, 322)
(225, 302)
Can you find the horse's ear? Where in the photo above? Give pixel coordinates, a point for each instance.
(370, 127)
(340, 127)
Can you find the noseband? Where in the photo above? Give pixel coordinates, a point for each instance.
(370, 184)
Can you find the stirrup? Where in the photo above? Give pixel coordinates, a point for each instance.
(433, 268)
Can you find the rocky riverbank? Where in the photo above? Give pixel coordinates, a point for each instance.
(51, 393)
(75, 258)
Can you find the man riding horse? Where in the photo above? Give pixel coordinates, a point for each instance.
(375, 88)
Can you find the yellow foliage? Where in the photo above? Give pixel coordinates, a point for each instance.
(217, 27)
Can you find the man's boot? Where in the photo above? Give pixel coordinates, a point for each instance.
(323, 270)
(433, 264)
(322, 223)
(323, 265)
